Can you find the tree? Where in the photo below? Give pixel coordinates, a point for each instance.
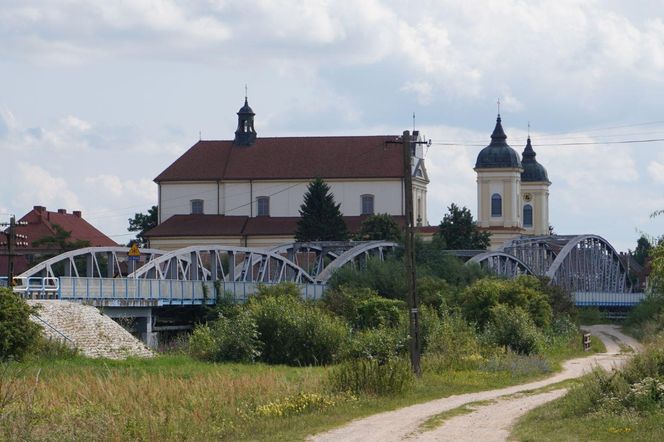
(643, 247)
(141, 223)
(61, 240)
(460, 232)
(18, 334)
(321, 218)
(379, 227)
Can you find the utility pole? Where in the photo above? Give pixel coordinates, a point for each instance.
(11, 242)
(409, 243)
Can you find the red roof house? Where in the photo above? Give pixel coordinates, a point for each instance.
(42, 223)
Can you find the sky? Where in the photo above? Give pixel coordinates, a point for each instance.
(97, 98)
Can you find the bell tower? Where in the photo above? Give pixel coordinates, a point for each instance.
(245, 134)
(498, 169)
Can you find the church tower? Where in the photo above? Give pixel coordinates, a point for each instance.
(499, 207)
(535, 194)
(245, 134)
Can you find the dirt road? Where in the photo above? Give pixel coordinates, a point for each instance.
(490, 422)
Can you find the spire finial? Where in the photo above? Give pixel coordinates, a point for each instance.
(528, 129)
(498, 103)
(245, 93)
(413, 121)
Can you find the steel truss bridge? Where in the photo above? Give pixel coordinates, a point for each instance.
(586, 265)
(108, 276)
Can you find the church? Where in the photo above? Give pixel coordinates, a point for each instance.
(512, 191)
(247, 191)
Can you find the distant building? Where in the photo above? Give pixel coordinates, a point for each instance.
(512, 192)
(41, 223)
(248, 191)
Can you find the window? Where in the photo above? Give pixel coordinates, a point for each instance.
(527, 215)
(263, 203)
(196, 207)
(367, 204)
(496, 205)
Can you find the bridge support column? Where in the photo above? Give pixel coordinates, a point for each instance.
(144, 322)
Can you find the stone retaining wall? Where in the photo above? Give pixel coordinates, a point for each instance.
(94, 334)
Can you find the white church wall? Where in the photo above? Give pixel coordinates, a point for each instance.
(175, 198)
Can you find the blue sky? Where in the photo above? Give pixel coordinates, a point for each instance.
(97, 98)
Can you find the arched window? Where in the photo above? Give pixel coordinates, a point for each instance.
(263, 203)
(367, 204)
(196, 207)
(527, 215)
(496, 205)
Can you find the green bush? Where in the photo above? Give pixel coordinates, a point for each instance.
(387, 278)
(478, 299)
(296, 333)
(18, 334)
(511, 327)
(453, 338)
(362, 307)
(370, 376)
(227, 339)
(377, 344)
(202, 343)
(435, 292)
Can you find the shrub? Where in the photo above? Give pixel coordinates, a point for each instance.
(377, 344)
(284, 289)
(370, 376)
(453, 338)
(294, 332)
(478, 299)
(387, 278)
(511, 327)
(434, 292)
(379, 312)
(226, 339)
(202, 344)
(18, 334)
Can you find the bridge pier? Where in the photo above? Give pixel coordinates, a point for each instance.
(144, 321)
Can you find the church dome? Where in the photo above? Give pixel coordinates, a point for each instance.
(498, 154)
(532, 170)
(246, 109)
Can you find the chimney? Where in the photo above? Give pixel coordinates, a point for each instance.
(39, 209)
(62, 211)
(77, 213)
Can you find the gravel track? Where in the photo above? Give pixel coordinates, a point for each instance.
(490, 422)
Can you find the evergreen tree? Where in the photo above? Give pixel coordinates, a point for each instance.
(321, 218)
(60, 241)
(643, 247)
(460, 232)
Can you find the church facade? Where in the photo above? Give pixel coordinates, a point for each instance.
(512, 190)
(248, 191)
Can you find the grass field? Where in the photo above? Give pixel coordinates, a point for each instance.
(178, 398)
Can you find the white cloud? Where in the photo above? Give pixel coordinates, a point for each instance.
(37, 185)
(656, 171)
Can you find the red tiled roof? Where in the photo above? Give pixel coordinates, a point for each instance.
(221, 225)
(199, 225)
(289, 158)
(41, 223)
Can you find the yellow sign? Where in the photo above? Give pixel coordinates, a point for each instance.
(134, 251)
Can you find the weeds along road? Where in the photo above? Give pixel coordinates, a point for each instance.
(490, 421)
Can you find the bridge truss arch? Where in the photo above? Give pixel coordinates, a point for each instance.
(501, 263)
(91, 262)
(357, 256)
(588, 263)
(223, 263)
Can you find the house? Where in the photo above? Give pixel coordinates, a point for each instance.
(41, 223)
(512, 191)
(248, 191)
